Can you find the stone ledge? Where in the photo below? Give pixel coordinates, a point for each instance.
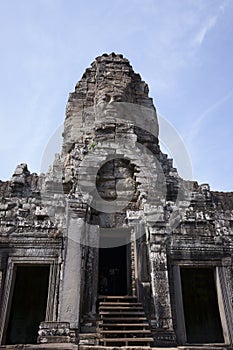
(122, 348)
(204, 347)
(69, 346)
(62, 346)
(98, 347)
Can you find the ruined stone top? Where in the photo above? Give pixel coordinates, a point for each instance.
(110, 80)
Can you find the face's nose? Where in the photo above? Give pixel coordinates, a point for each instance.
(112, 99)
(115, 98)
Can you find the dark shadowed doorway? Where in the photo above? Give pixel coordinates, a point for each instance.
(28, 305)
(114, 263)
(200, 303)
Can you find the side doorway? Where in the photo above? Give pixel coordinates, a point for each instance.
(27, 304)
(200, 314)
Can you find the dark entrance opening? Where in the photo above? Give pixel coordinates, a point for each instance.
(113, 271)
(201, 311)
(28, 307)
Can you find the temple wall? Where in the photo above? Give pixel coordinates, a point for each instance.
(111, 178)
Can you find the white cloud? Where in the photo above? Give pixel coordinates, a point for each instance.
(208, 25)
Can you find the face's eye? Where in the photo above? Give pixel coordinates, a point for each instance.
(106, 98)
(118, 98)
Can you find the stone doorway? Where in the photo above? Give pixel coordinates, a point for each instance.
(112, 271)
(28, 304)
(115, 264)
(200, 305)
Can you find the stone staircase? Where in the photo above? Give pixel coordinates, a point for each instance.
(122, 322)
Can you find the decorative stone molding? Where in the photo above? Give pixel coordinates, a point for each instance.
(55, 332)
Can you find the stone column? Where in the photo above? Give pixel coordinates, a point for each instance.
(72, 271)
(162, 325)
(90, 282)
(134, 222)
(0, 283)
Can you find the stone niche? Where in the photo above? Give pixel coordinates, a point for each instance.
(111, 248)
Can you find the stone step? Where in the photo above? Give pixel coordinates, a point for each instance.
(123, 308)
(132, 331)
(123, 303)
(123, 322)
(125, 325)
(132, 347)
(120, 298)
(126, 341)
(113, 319)
(121, 313)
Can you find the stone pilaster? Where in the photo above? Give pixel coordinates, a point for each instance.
(72, 272)
(162, 324)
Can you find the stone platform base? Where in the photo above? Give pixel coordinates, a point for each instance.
(69, 346)
(96, 347)
(117, 348)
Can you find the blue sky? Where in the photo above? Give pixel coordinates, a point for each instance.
(182, 48)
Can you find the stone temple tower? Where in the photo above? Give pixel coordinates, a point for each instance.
(112, 248)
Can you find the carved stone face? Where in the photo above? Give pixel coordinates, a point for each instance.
(111, 97)
(109, 103)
